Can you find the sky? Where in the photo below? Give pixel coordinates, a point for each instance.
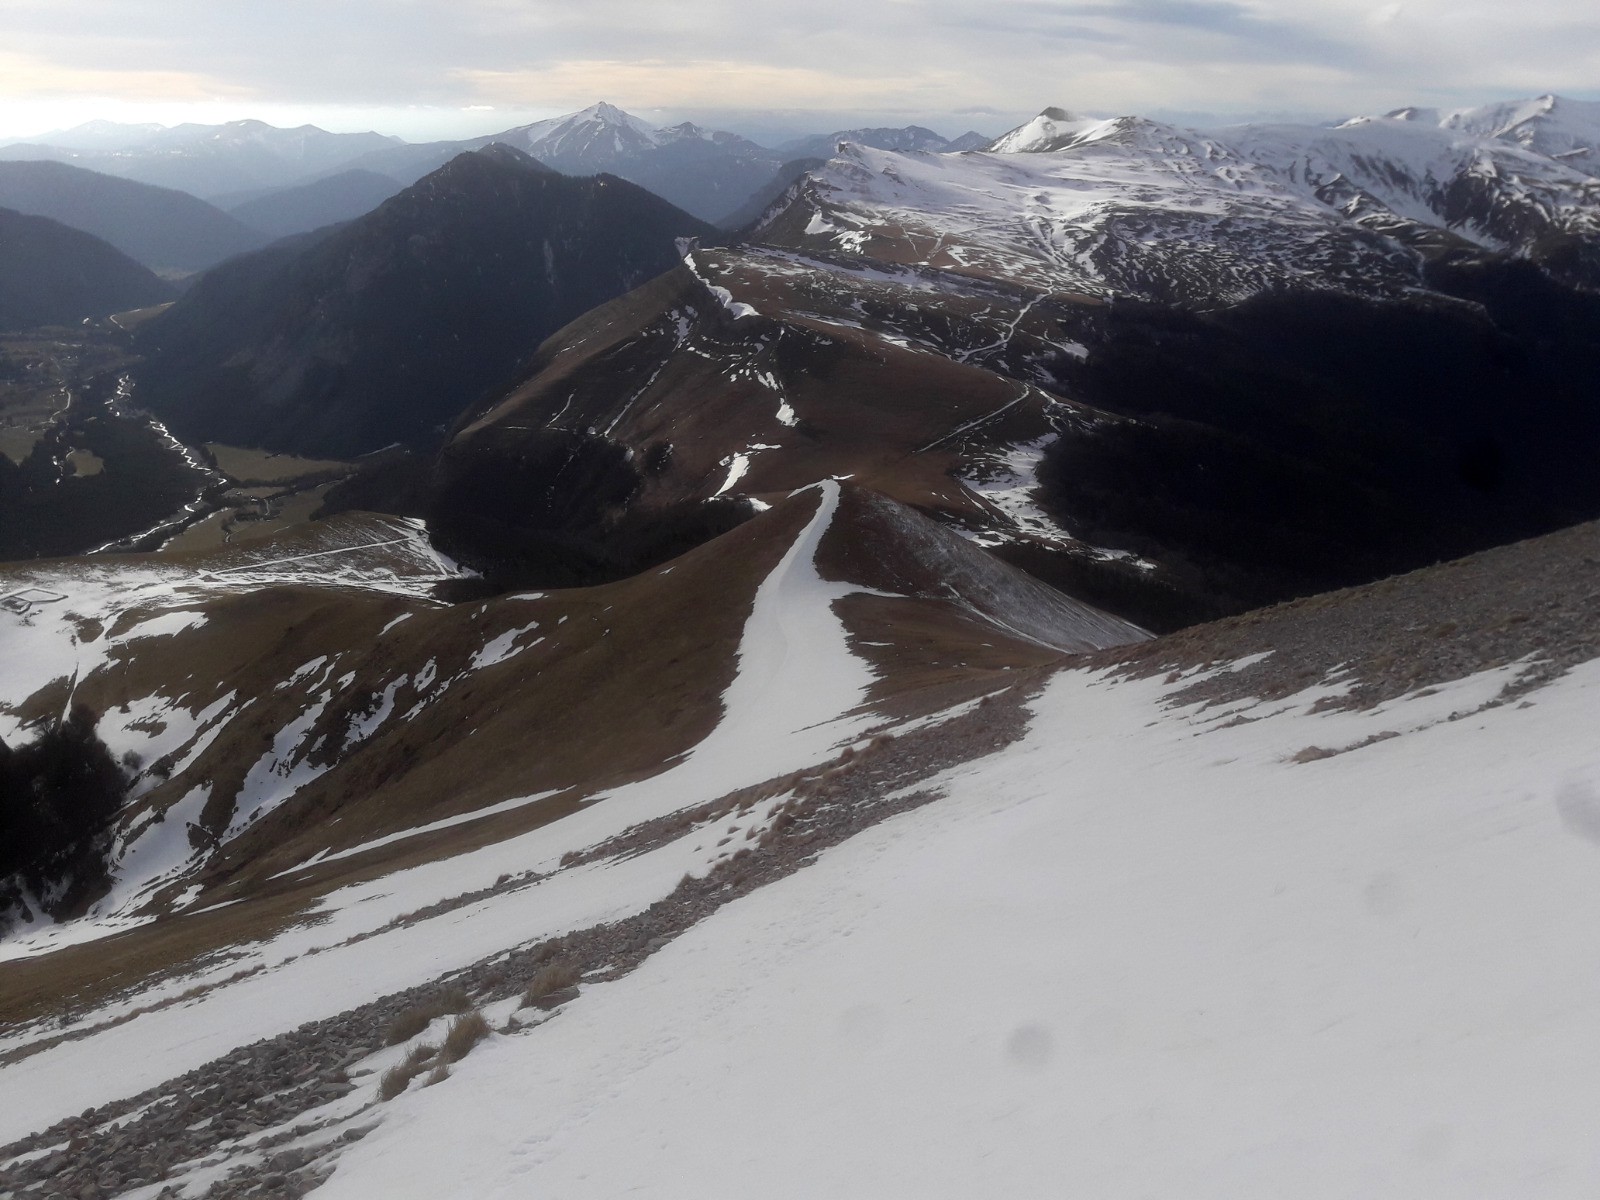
(426, 69)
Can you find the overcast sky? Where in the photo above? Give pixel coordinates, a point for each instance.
(449, 68)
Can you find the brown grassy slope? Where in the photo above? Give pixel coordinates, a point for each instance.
(633, 676)
(668, 364)
(630, 675)
(1537, 599)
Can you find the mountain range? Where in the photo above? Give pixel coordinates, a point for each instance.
(382, 330)
(1097, 346)
(1085, 643)
(709, 173)
(165, 229)
(204, 160)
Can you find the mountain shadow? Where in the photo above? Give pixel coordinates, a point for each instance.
(1301, 442)
(383, 330)
(166, 230)
(51, 274)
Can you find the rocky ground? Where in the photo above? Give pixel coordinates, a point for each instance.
(1537, 600)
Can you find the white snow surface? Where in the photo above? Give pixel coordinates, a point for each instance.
(1140, 952)
(1133, 207)
(1134, 955)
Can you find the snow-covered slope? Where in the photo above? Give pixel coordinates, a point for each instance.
(1554, 126)
(1268, 908)
(1134, 954)
(1125, 206)
(1385, 172)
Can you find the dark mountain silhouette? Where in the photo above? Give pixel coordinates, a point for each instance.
(51, 274)
(753, 209)
(383, 330)
(159, 227)
(341, 197)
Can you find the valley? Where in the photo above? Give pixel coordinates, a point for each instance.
(91, 471)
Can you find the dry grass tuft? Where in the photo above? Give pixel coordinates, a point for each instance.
(550, 979)
(414, 1020)
(466, 1031)
(398, 1077)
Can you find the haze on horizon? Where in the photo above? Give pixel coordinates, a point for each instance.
(425, 69)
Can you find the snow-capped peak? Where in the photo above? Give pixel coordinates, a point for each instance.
(687, 129)
(610, 114)
(1423, 116)
(1052, 129)
(1550, 125)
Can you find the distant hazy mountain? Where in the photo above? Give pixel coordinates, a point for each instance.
(327, 201)
(703, 171)
(709, 173)
(410, 161)
(99, 135)
(204, 160)
(51, 274)
(971, 140)
(712, 174)
(384, 329)
(824, 145)
(166, 230)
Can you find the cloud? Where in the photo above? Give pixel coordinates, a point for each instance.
(26, 77)
(837, 59)
(699, 83)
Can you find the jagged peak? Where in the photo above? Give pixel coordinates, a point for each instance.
(1056, 129)
(606, 111)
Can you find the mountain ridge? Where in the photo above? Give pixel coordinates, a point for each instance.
(165, 229)
(52, 274)
(361, 337)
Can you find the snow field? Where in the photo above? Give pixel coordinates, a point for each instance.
(1133, 955)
